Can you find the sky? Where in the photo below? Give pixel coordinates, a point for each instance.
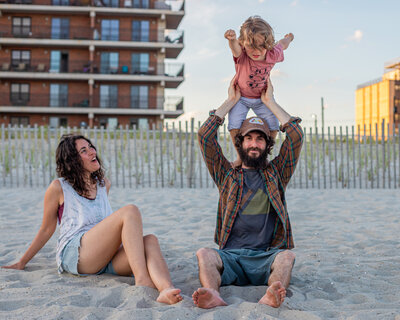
(338, 45)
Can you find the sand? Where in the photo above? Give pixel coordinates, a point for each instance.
(347, 259)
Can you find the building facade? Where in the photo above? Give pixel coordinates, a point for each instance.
(90, 62)
(378, 102)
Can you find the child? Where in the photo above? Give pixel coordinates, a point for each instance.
(255, 53)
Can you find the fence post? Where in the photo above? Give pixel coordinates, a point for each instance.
(161, 156)
(377, 154)
(305, 157)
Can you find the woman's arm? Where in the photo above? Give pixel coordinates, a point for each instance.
(52, 199)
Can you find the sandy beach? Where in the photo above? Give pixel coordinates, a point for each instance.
(347, 259)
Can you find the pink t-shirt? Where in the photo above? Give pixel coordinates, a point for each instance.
(253, 75)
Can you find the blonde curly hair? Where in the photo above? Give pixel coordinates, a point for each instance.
(256, 25)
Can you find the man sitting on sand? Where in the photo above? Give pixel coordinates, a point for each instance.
(253, 228)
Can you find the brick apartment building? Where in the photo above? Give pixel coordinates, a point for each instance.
(89, 62)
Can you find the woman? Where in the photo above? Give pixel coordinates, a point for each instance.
(90, 234)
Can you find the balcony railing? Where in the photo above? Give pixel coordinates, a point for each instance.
(85, 66)
(82, 33)
(98, 101)
(173, 5)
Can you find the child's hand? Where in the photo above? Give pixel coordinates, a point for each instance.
(230, 34)
(289, 36)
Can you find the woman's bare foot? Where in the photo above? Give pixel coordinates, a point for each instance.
(207, 298)
(275, 295)
(170, 296)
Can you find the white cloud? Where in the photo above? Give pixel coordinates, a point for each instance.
(357, 36)
(294, 3)
(278, 74)
(261, 1)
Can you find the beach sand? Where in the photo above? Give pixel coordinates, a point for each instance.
(347, 259)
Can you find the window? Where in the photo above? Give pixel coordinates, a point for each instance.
(144, 123)
(110, 30)
(19, 93)
(111, 3)
(58, 61)
(58, 95)
(21, 26)
(17, 121)
(109, 62)
(59, 28)
(140, 30)
(55, 122)
(140, 97)
(141, 4)
(140, 63)
(60, 2)
(20, 58)
(108, 96)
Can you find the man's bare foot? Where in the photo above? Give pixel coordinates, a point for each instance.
(275, 295)
(207, 298)
(170, 296)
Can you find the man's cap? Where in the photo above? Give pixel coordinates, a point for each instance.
(254, 124)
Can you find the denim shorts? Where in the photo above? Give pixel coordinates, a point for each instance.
(246, 266)
(239, 113)
(70, 258)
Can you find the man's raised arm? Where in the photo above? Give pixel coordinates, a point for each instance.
(213, 156)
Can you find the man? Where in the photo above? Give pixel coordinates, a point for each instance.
(253, 228)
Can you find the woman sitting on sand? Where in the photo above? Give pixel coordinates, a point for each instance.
(90, 233)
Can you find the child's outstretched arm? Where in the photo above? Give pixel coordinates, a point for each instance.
(287, 39)
(233, 43)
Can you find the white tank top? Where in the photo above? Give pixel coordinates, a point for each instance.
(80, 214)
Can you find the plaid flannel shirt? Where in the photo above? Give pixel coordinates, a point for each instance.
(229, 180)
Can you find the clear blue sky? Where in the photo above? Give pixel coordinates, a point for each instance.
(338, 44)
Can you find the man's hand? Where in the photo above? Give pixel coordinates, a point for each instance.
(230, 35)
(233, 91)
(17, 266)
(267, 96)
(233, 98)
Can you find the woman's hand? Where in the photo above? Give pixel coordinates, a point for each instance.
(18, 266)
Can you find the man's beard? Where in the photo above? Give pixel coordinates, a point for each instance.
(259, 162)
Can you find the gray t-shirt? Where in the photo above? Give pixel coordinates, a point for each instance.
(254, 224)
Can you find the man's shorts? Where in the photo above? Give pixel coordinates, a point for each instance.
(246, 266)
(70, 258)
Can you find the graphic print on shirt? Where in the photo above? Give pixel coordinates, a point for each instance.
(258, 77)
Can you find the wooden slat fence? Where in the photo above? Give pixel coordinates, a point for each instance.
(169, 156)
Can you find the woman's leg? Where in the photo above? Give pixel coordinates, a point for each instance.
(159, 273)
(100, 244)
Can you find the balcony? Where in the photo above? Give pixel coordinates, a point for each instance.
(82, 103)
(171, 10)
(171, 74)
(169, 40)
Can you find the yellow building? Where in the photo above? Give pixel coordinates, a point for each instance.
(378, 102)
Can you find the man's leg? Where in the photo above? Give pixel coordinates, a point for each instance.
(281, 271)
(210, 268)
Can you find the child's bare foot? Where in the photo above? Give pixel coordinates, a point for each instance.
(207, 298)
(275, 295)
(170, 296)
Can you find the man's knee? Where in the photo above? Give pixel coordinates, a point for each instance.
(284, 258)
(207, 256)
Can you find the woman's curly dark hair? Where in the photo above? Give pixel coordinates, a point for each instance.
(70, 167)
(270, 142)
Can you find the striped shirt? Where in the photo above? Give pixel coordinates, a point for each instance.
(229, 180)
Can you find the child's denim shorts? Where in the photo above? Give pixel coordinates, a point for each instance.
(70, 258)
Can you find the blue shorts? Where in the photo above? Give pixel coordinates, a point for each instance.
(239, 113)
(246, 266)
(70, 258)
